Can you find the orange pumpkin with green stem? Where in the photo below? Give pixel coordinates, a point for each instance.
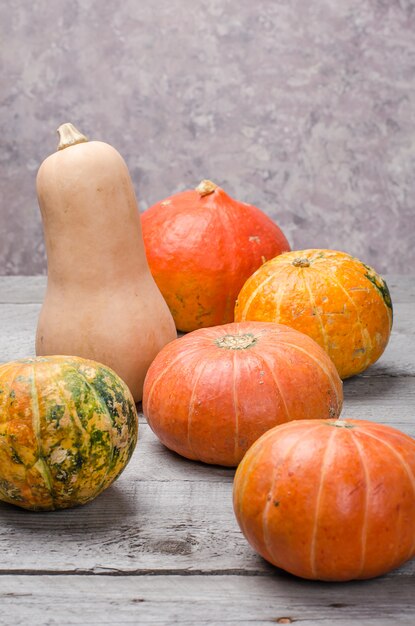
(329, 500)
(340, 302)
(201, 246)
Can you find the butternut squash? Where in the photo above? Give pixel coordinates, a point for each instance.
(101, 301)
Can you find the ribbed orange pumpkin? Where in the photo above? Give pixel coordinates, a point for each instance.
(201, 247)
(331, 296)
(329, 500)
(211, 394)
(68, 427)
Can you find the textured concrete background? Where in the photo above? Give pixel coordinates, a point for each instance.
(306, 109)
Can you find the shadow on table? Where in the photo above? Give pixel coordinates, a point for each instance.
(112, 499)
(358, 602)
(186, 465)
(387, 597)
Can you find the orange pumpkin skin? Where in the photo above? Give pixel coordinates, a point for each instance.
(329, 500)
(201, 246)
(211, 394)
(331, 296)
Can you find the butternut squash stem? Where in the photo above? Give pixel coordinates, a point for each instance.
(69, 136)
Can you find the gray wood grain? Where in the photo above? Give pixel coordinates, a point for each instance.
(18, 325)
(162, 546)
(385, 399)
(22, 289)
(17, 331)
(402, 288)
(159, 526)
(163, 514)
(201, 600)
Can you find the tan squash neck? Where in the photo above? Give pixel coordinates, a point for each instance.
(69, 136)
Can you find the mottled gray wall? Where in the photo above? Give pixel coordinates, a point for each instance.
(305, 108)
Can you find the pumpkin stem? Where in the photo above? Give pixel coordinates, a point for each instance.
(301, 262)
(206, 187)
(340, 424)
(236, 342)
(69, 136)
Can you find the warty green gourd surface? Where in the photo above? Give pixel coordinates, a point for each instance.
(68, 427)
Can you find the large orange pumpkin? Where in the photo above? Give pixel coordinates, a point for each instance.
(201, 246)
(329, 500)
(68, 427)
(211, 394)
(331, 296)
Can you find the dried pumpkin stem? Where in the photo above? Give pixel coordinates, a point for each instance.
(340, 424)
(301, 262)
(236, 342)
(206, 187)
(69, 136)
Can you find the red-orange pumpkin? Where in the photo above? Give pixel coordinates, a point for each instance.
(329, 500)
(211, 394)
(201, 246)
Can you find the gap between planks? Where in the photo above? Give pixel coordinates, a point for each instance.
(271, 572)
(145, 572)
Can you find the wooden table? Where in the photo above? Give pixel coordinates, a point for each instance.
(161, 546)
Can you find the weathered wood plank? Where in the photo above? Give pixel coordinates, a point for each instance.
(379, 391)
(136, 526)
(373, 399)
(402, 288)
(213, 600)
(18, 325)
(17, 330)
(384, 399)
(152, 461)
(22, 289)
(164, 513)
(31, 289)
(398, 358)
